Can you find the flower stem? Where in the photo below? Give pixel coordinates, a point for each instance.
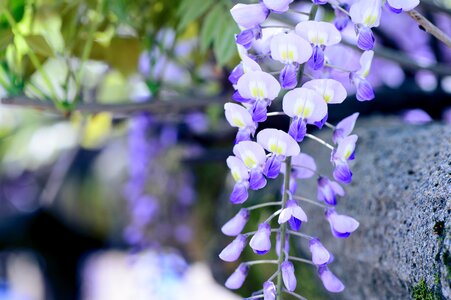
(311, 136)
(263, 205)
(329, 125)
(274, 214)
(258, 262)
(275, 113)
(301, 260)
(302, 235)
(429, 27)
(254, 232)
(310, 201)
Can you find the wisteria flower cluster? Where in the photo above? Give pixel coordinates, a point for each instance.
(301, 56)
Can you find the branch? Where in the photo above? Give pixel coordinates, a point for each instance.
(166, 106)
(429, 27)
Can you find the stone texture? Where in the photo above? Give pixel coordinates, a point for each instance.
(401, 196)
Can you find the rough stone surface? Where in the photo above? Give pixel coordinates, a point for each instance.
(401, 196)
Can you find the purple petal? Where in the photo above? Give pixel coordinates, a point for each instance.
(239, 194)
(245, 37)
(259, 111)
(298, 129)
(260, 242)
(236, 280)
(344, 127)
(236, 73)
(269, 291)
(233, 250)
(321, 123)
(416, 117)
(238, 98)
(288, 77)
(272, 167)
(392, 9)
(330, 281)
(249, 15)
(257, 180)
(295, 224)
(320, 255)
(365, 40)
(319, 2)
(243, 135)
(316, 62)
(342, 172)
(288, 276)
(235, 225)
(364, 90)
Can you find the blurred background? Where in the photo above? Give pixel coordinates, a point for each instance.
(113, 182)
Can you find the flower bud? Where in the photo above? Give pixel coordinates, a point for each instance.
(236, 280)
(341, 226)
(320, 255)
(288, 276)
(330, 281)
(269, 291)
(233, 250)
(235, 225)
(261, 242)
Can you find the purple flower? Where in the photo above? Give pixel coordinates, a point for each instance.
(298, 129)
(330, 281)
(341, 226)
(277, 6)
(235, 225)
(272, 166)
(260, 242)
(288, 276)
(254, 158)
(304, 103)
(233, 250)
(320, 35)
(288, 77)
(320, 255)
(345, 148)
(241, 175)
(358, 78)
(344, 127)
(342, 172)
(341, 19)
(249, 15)
(332, 91)
(417, 117)
(269, 291)
(236, 280)
(294, 214)
(328, 190)
(366, 12)
(238, 116)
(365, 39)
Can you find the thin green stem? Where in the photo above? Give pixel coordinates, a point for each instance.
(329, 125)
(311, 136)
(254, 232)
(302, 235)
(302, 260)
(337, 68)
(275, 113)
(259, 262)
(263, 205)
(310, 201)
(276, 213)
(299, 12)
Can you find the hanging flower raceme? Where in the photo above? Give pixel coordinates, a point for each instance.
(238, 116)
(254, 158)
(364, 90)
(291, 50)
(320, 35)
(249, 17)
(366, 14)
(305, 106)
(281, 145)
(258, 89)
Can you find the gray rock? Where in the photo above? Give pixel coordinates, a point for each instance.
(401, 195)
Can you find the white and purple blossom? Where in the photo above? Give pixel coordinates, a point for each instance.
(341, 19)
(341, 226)
(233, 250)
(345, 151)
(254, 158)
(261, 242)
(288, 276)
(249, 15)
(259, 89)
(366, 14)
(303, 166)
(247, 64)
(291, 50)
(241, 176)
(364, 90)
(235, 225)
(305, 106)
(238, 116)
(320, 255)
(236, 280)
(329, 280)
(332, 91)
(280, 144)
(293, 214)
(320, 35)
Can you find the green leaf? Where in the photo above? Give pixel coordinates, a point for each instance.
(190, 10)
(224, 43)
(210, 27)
(39, 45)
